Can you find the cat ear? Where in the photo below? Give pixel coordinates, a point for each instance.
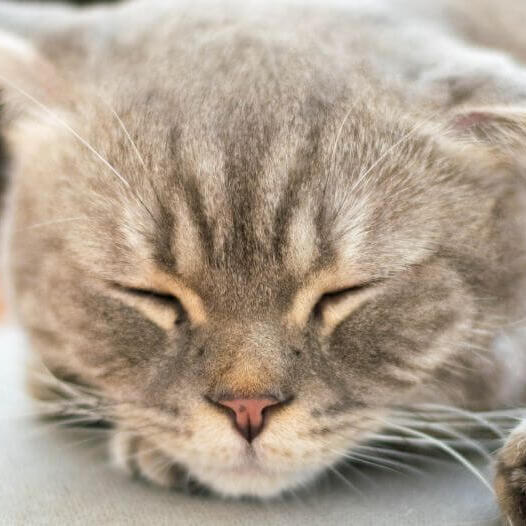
(27, 80)
(29, 87)
(501, 127)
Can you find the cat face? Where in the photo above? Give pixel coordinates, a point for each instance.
(306, 255)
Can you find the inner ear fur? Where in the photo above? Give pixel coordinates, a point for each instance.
(502, 128)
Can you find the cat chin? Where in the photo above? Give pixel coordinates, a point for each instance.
(254, 481)
(246, 477)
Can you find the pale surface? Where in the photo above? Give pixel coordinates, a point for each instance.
(58, 477)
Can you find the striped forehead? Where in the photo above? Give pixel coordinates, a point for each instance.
(244, 204)
(277, 198)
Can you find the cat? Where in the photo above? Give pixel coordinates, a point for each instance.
(243, 233)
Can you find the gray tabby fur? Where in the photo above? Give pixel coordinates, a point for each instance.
(249, 159)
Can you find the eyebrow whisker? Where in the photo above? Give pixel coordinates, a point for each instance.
(81, 139)
(127, 133)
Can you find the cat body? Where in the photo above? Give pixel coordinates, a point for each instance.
(246, 232)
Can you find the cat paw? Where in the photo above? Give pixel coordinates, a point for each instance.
(510, 480)
(137, 456)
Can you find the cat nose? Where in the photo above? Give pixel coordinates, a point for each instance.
(249, 414)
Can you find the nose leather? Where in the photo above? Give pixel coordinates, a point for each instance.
(249, 414)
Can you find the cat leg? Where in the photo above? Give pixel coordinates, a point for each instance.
(510, 480)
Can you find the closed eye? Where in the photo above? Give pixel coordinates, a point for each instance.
(334, 306)
(156, 304)
(334, 297)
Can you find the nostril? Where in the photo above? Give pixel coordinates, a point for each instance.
(249, 414)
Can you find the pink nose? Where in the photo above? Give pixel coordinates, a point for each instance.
(249, 414)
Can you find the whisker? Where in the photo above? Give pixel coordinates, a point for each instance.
(63, 123)
(469, 414)
(387, 462)
(52, 222)
(81, 139)
(392, 148)
(345, 480)
(94, 442)
(506, 413)
(48, 428)
(356, 470)
(338, 135)
(456, 434)
(128, 136)
(392, 452)
(354, 454)
(444, 447)
(373, 461)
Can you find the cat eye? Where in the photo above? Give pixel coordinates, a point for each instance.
(335, 306)
(159, 303)
(333, 298)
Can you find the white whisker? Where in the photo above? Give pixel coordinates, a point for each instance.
(444, 447)
(81, 139)
(392, 148)
(63, 123)
(372, 461)
(345, 480)
(52, 222)
(469, 414)
(444, 428)
(128, 136)
(396, 453)
(338, 135)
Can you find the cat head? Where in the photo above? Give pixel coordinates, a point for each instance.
(198, 240)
